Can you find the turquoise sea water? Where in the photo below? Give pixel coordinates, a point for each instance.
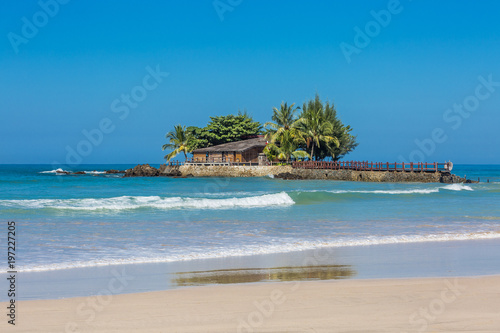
(70, 221)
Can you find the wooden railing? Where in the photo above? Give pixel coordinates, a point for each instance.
(176, 163)
(219, 162)
(371, 166)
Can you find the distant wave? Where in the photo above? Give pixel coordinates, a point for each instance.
(457, 187)
(55, 171)
(61, 171)
(414, 191)
(95, 172)
(136, 202)
(451, 187)
(247, 250)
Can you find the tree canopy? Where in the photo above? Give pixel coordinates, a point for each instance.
(332, 139)
(316, 133)
(223, 129)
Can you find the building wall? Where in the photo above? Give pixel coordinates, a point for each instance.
(199, 157)
(251, 155)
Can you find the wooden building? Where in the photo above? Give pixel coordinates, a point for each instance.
(244, 151)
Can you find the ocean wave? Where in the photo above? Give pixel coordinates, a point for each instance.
(58, 171)
(156, 202)
(62, 172)
(260, 249)
(457, 187)
(95, 172)
(413, 191)
(451, 187)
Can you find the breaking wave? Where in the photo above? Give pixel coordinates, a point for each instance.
(457, 187)
(451, 187)
(55, 171)
(156, 202)
(61, 172)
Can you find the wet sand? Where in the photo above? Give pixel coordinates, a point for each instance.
(373, 305)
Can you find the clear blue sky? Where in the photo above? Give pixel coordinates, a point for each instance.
(65, 68)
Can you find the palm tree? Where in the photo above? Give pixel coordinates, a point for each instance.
(285, 144)
(316, 129)
(178, 140)
(284, 138)
(283, 118)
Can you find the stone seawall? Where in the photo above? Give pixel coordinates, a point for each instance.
(232, 171)
(287, 172)
(366, 176)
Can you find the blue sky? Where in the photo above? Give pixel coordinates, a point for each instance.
(421, 83)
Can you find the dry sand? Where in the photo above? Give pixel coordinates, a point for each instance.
(388, 305)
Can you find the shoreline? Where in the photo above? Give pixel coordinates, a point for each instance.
(404, 260)
(446, 304)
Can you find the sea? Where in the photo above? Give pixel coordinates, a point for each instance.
(68, 224)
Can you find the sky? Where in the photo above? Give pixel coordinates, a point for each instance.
(84, 82)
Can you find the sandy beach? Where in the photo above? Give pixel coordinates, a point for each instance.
(466, 304)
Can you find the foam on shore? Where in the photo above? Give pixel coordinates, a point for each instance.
(259, 249)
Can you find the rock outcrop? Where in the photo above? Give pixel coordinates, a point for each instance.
(144, 170)
(170, 170)
(449, 178)
(113, 171)
(288, 176)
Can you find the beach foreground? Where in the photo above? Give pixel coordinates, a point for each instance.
(465, 304)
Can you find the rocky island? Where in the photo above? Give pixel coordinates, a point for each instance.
(289, 173)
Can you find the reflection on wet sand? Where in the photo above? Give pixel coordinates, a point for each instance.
(245, 275)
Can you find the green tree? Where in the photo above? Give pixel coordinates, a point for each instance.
(178, 140)
(196, 140)
(316, 130)
(285, 145)
(285, 139)
(283, 118)
(223, 129)
(328, 136)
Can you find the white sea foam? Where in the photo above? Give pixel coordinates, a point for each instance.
(276, 247)
(451, 187)
(414, 191)
(95, 172)
(60, 171)
(457, 187)
(55, 171)
(135, 202)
